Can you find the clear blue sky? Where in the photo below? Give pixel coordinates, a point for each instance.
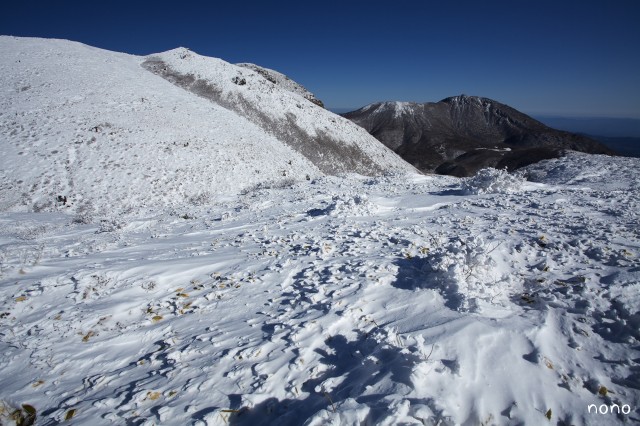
(563, 57)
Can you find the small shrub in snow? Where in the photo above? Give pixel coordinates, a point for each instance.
(83, 218)
(350, 205)
(42, 206)
(270, 184)
(492, 181)
(84, 214)
(200, 199)
(239, 81)
(109, 226)
(22, 416)
(466, 271)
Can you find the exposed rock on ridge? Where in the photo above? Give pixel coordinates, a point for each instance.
(283, 81)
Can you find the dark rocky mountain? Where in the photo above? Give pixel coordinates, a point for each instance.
(462, 134)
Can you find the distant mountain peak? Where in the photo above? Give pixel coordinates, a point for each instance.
(462, 134)
(398, 108)
(464, 99)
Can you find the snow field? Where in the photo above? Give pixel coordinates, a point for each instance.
(343, 300)
(191, 278)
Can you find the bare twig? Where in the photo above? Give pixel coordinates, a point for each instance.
(493, 249)
(326, 395)
(430, 352)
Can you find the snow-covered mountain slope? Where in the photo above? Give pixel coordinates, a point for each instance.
(283, 81)
(98, 128)
(426, 300)
(332, 143)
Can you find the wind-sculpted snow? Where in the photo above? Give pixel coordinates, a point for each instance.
(339, 300)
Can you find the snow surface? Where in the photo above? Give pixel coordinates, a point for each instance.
(195, 276)
(342, 300)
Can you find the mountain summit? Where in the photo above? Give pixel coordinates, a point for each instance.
(462, 134)
(111, 132)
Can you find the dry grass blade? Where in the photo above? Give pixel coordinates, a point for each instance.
(326, 395)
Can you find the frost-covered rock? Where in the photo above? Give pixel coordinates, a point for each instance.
(492, 181)
(283, 81)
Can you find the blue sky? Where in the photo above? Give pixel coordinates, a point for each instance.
(562, 57)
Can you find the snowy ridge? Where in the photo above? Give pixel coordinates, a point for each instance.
(389, 300)
(334, 144)
(401, 108)
(583, 170)
(398, 108)
(282, 80)
(96, 127)
(466, 100)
